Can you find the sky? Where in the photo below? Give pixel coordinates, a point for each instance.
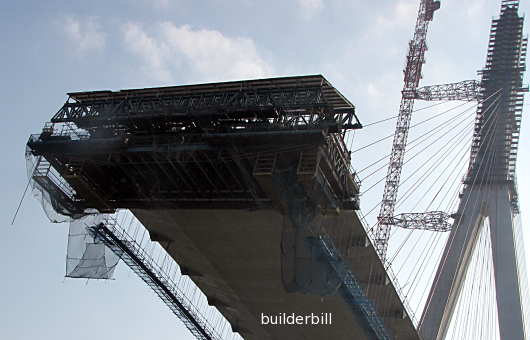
(54, 47)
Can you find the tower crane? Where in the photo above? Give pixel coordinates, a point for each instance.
(412, 75)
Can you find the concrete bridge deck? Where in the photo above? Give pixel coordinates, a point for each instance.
(234, 256)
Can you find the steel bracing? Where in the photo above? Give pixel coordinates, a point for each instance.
(467, 90)
(433, 221)
(286, 103)
(490, 191)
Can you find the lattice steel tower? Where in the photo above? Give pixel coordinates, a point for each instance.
(490, 190)
(412, 77)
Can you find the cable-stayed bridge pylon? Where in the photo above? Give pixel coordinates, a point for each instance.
(490, 190)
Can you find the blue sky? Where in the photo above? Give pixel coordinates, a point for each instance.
(53, 47)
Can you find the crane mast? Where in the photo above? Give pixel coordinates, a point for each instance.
(412, 75)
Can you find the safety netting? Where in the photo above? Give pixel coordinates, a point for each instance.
(57, 197)
(86, 256)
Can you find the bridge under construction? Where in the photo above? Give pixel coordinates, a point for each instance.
(247, 188)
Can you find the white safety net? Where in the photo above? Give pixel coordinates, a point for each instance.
(86, 256)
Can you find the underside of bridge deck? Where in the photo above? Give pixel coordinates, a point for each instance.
(234, 256)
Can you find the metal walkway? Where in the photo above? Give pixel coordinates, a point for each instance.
(352, 291)
(143, 265)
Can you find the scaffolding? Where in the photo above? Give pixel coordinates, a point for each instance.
(504, 70)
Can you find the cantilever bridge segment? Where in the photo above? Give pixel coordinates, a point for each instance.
(246, 184)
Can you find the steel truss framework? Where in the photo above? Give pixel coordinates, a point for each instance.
(433, 221)
(467, 90)
(268, 104)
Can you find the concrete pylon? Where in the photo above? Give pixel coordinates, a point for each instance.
(485, 201)
(490, 189)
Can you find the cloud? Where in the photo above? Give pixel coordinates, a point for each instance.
(475, 13)
(84, 34)
(161, 3)
(201, 54)
(476, 10)
(310, 7)
(402, 14)
(153, 53)
(311, 4)
(374, 91)
(158, 4)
